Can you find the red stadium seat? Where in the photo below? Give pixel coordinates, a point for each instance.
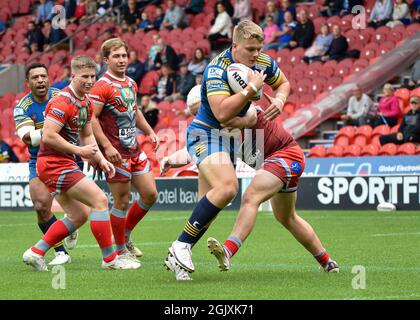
(408, 149)
(334, 152)
(416, 92)
(395, 129)
(352, 151)
(317, 152)
(404, 95)
(362, 135)
(377, 132)
(389, 149)
(345, 136)
(371, 150)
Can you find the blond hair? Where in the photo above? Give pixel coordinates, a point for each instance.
(388, 88)
(247, 29)
(81, 62)
(114, 43)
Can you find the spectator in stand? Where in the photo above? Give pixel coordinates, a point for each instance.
(270, 29)
(338, 47)
(153, 51)
(165, 55)
(198, 63)
(400, 14)
(330, 8)
(381, 13)
(54, 36)
(80, 11)
(131, 14)
(242, 11)
(283, 37)
(358, 108)
(221, 29)
(388, 109)
(166, 84)
(145, 23)
(135, 68)
(409, 130)
(195, 7)
(228, 8)
(285, 5)
(184, 82)
(64, 80)
(34, 38)
(272, 11)
(348, 5)
(44, 11)
(304, 32)
(104, 6)
(414, 81)
(150, 110)
(6, 153)
(174, 17)
(91, 9)
(101, 67)
(69, 7)
(160, 15)
(321, 44)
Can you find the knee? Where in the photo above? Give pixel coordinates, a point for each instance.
(101, 203)
(150, 197)
(286, 220)
(122, 201)
(229, 189)
(251, 198)
(43, 209)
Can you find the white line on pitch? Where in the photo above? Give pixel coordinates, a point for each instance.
(395, 234)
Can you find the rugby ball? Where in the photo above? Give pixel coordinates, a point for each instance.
(386, 206)
(237, 75)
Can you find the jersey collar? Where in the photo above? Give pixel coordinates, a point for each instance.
(115, 78)
(75, 94)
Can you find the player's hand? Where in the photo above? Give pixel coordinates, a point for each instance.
(164, 166)
(257, 78)
(97, 171)
(107, 167)
(88, 151)
(155, 139)
(400, 136)
(274, 110)
(113, 155)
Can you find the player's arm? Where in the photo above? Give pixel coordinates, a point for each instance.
(144, 126)
(247, 121)
(87, 138)
(225, 106)
(281, 88)
(25, 128)
(178, 159)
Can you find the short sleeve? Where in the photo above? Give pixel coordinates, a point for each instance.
(57, 112)
(274, 75)
(99, 93)
(216, 81)
(21, 117)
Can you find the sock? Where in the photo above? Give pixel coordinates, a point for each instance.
(55, 233)
(203, 213)
(101, 229)
(44, 228)
(118, 228)
(136, 212)
(232, 245)
(202, 232)
(322, 258)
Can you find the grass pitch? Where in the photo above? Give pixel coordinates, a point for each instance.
(271, 265)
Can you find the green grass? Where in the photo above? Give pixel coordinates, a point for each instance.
(271, 265)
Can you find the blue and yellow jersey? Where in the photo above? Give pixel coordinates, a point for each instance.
(30, 112)
(215, 81)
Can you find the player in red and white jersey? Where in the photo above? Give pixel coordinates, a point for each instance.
(277, 180)
(67, 133)
(114, 124)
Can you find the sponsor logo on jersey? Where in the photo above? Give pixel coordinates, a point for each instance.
(296, 167)
(18, 112)
(215, 73)
(59, 113)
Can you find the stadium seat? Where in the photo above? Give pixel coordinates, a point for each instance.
(403, 94)
(416, 92)
(362, 135)
(370, 150)
(389, 149)
(318, 151)
(352, 151)
(377, 132)
(345, 136)
(408, 149)
(395, 128)
(334, 152)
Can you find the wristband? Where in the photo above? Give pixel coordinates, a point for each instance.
(253, 87)
(35, 137)
(245, 93)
